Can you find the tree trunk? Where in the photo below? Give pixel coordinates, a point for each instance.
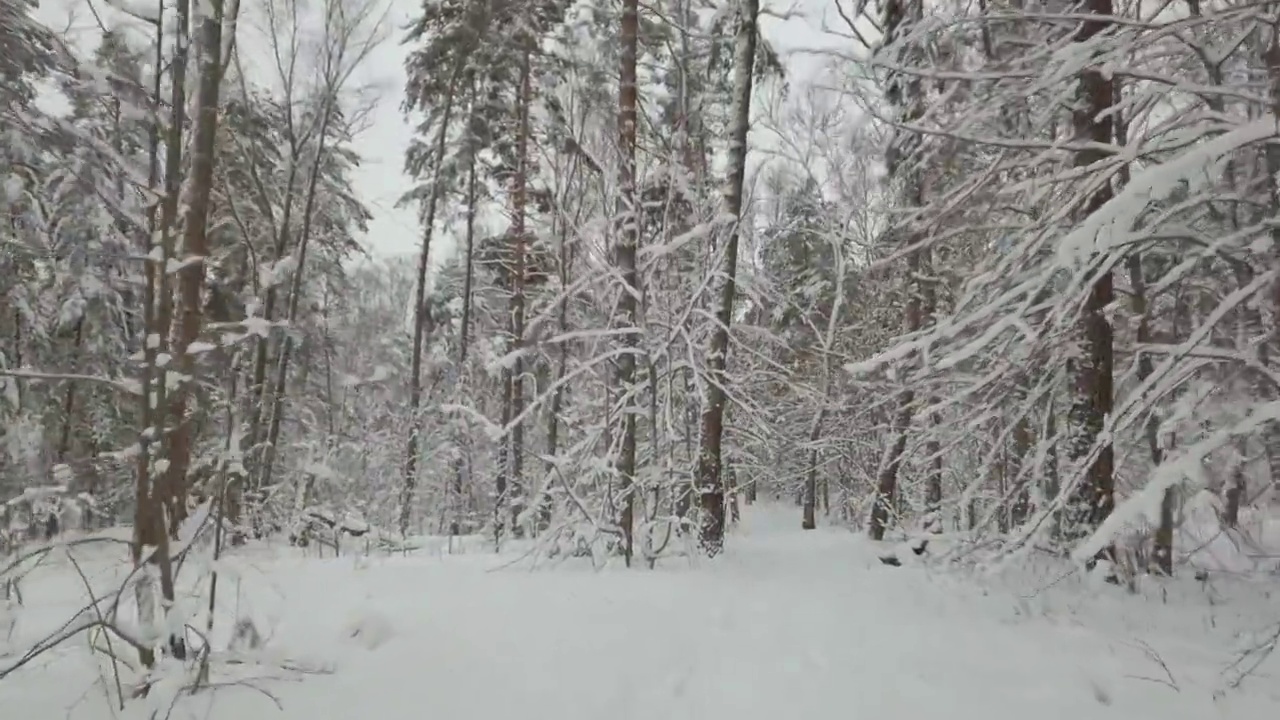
(257, 396)
(463, 462)
(69, 400)
(1093, 499)
(1021, 508)
(520, 242)
(1271, 59)
(1162, 549)
(148, 521)
(504, 464)
(158, 329)
(421, 319)
(809, 521)
(1234, 492)
(710, 482)
(295, 294)
(562, 368)
(907, 93)
(625, 258)
(196, 250)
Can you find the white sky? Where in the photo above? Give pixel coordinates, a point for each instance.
(381, 180)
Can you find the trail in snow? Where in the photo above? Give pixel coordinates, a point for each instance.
(787, 624)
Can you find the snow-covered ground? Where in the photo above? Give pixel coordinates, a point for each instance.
(787, 624)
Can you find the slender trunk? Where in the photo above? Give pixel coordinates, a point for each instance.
(520, 241)
(1021, 508)
(1052, 474)
(504, 464)
(1162, 549)
(1234, 493)
(145, 521)
(562, 366)
(261, 360)
(625, 258)
(330, 397)
(710, 482)
(196, 250)
(810, 520)
(421, 318)
(468, 277)
(887, 480)
(684, 496)
(1271, 59)
(282, 234)
(933, 480)
(295, 293)
(158, 331)
(69, 400)
(464, 451)
(17, 352)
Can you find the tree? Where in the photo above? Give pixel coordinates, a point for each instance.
(710, 456)
(625, 254)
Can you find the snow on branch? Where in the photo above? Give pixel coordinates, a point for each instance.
(1145, 504)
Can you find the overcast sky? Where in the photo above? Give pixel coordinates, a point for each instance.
(381, 180)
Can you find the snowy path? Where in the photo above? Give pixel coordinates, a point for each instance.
(787, 625)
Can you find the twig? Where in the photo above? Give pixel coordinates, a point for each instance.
(1151, 654)
(93, 601)
(62, 635)
(1254, 657)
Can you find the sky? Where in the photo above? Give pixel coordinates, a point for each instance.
(795, 28)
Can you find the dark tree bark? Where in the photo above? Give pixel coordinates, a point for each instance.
(625, 259)
(1092, 382)
(709, 479)
(195, 249)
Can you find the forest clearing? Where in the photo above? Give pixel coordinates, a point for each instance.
(786, 624)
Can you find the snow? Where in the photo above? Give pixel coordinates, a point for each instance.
(1112, 224)
(1245, 549)
(1145, 504)
(786, 624)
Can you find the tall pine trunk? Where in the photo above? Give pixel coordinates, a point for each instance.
(710, 459)
(270, 452)
(907, 93)
(625, 258)
(421, 320)
(463, 462)
(1091, 373)
(196, 251)
(148, 523)
(519, 242)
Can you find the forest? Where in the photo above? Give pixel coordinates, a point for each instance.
(962, 284)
